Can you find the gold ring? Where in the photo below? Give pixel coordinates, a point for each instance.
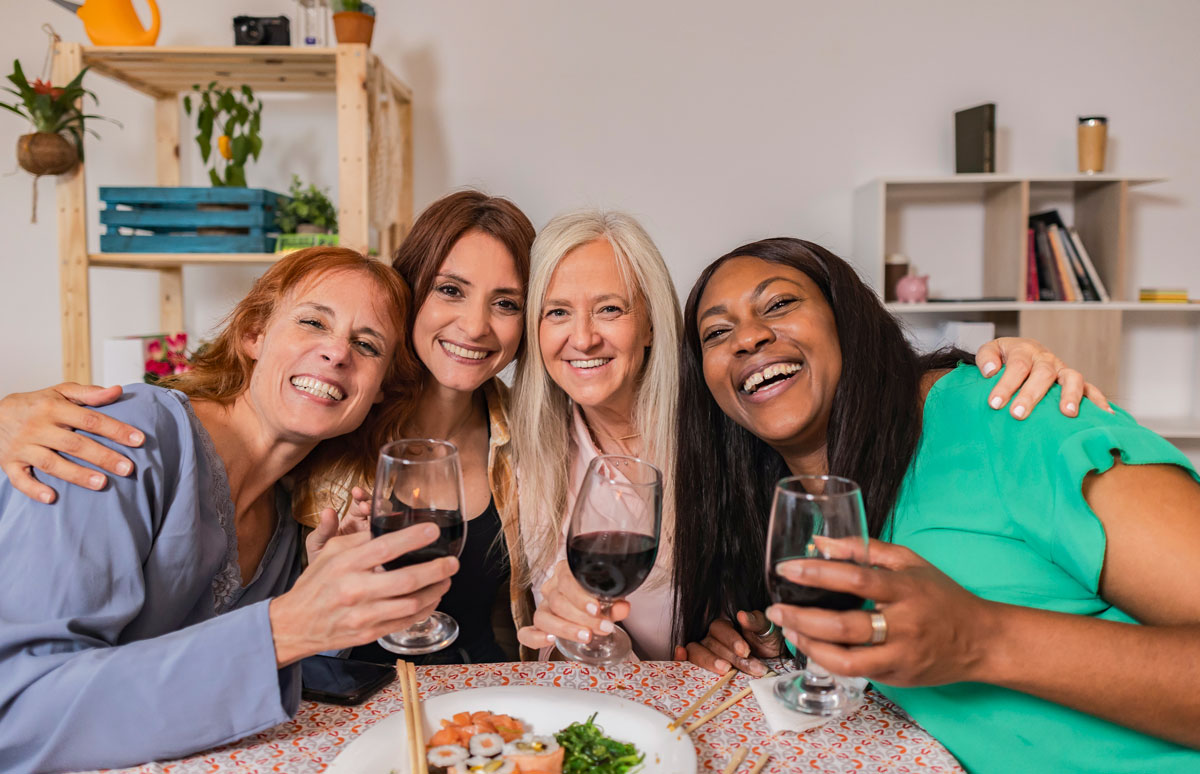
(878, 629)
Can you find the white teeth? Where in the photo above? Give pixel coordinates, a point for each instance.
(771, 371)
(593, 363)
(317, 387)
(470, 354)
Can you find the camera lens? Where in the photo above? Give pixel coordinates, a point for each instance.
(251, 32)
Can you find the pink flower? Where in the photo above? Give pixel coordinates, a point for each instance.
(177, 343)
(157, 367)
(155, 350)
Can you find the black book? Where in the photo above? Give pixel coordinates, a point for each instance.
(975, 139)
(1049, 284)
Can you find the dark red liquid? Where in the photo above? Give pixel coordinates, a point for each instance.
(611, 564)
(449, 543)
(788, 593)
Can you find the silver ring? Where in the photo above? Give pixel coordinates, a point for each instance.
(770, 630)
(878, 629)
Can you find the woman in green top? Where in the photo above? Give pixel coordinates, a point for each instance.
(1038, 595)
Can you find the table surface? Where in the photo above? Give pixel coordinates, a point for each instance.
(878, 737)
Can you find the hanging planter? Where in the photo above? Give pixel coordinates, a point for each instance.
(55, 115)
(46, 153)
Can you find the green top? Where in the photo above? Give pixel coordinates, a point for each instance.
(998, 506)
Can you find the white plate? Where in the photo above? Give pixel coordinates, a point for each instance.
(383, 748)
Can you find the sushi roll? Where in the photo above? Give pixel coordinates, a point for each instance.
(447, 755)
(531, 744)
(487, 745)
(481, 765)
(535, 754)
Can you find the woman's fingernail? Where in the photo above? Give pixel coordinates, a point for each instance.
(1070, 408)
(45, 497)
(1018, 411)
(550, 638)
(989, 369)
(774, 615)
(95, 482)
(124, 468)
(996, 402)
(606, 627)
(584, 635)
(592, 609)
(431, 531)
(135, 438)
(722, 665)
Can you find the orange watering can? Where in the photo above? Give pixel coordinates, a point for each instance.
(114, 22)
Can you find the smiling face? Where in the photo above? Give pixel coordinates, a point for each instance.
(594, 330)
(770, 351)
(469, 327)
(321, 359)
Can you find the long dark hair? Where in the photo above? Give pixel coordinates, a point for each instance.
(725, 476)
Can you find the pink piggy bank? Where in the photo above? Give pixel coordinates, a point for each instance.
(913, 289)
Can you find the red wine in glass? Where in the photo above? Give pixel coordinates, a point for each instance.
(783, 591)
(611, 564)
(449, 542)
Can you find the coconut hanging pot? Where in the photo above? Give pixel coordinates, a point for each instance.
(46, 153)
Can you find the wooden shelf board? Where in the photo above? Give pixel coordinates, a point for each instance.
(1173, 427)
(959, 307)
(174, 260)
(162, 71)
(999, 179)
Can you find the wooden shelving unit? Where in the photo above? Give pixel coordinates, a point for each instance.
(1087, 335)
(163, 74)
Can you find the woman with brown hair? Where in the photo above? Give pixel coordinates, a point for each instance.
(467, 263)
(159, 617)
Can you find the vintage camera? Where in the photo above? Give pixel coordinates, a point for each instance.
(261, 31)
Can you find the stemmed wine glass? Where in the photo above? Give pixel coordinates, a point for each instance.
(815, 517)
(612, 542)
(418, 481)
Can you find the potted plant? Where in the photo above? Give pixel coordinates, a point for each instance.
(229, 119)
(55, 115)
(353, 21)
(308, 212)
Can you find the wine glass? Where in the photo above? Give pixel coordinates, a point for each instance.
(419, 481)
(612, 543)
(815, 517)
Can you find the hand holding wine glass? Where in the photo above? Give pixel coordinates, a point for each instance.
(815, 518)
(612, 542)
(419, 481)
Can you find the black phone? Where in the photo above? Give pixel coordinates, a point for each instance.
(342, 681)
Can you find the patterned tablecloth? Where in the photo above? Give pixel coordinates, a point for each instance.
(878, 737)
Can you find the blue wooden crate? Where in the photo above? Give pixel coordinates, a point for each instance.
(168, 220)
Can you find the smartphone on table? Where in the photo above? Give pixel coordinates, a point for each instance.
(333, 680)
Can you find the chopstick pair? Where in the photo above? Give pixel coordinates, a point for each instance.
(720, 708)
(740, 756)
(417, 763)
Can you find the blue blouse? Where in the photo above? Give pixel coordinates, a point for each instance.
(125, 632)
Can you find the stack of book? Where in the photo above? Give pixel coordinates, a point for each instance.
(1163, 296)
(1059, 266)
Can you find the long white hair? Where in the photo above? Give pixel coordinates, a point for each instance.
(542, 410)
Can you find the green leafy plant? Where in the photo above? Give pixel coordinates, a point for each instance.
(228, 119)
(357, 6)
(308, 205)
(52, 109)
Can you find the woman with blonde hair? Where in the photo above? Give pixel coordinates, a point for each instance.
(603, 334)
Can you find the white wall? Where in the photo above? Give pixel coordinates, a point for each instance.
(714, 122)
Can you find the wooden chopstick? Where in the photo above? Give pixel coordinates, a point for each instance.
(736, 760)
(758, 764)
(732, 700)
(412, 717)
(677, 722)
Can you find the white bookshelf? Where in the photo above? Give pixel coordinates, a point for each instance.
(985, 217)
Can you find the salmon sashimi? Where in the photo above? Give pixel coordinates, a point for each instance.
(463, 725)
(535, 763)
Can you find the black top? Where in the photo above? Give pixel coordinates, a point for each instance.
(483, 571)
